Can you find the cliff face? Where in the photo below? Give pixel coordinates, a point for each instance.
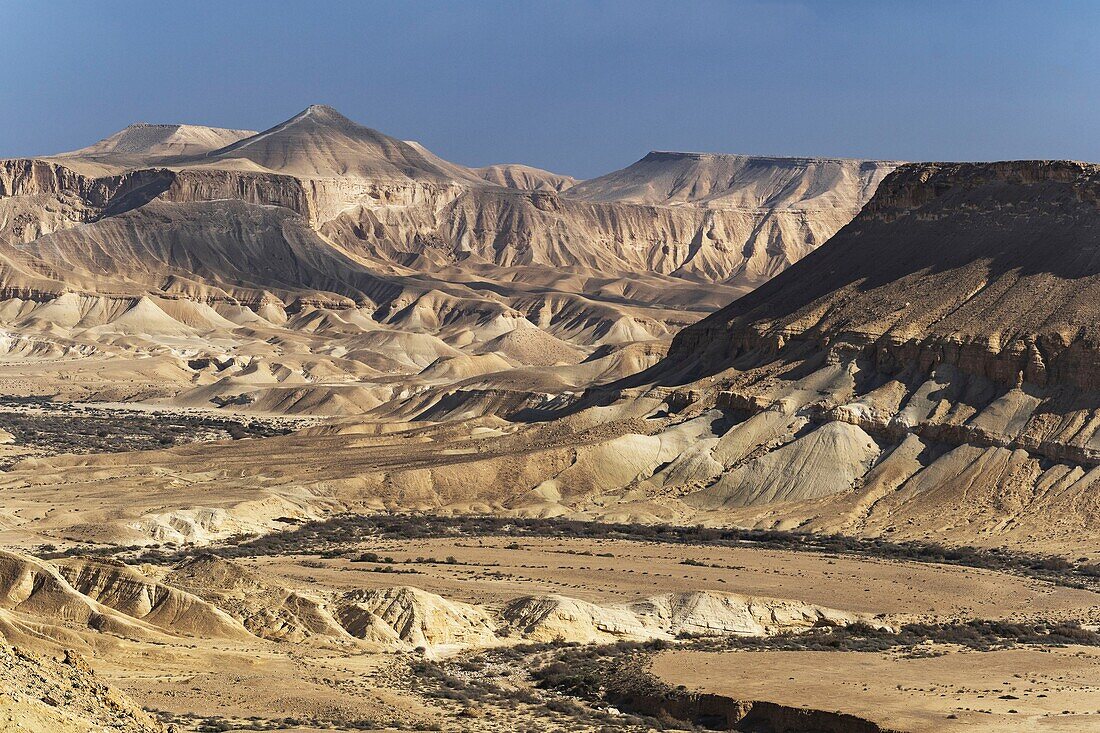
(992, 268)
(508, 228)
(933, 371)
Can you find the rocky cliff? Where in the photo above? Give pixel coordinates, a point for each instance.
(991, 268)
(931, 372)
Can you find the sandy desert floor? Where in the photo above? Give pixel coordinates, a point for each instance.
(492, 569)
(991, 692)
(210, 681)
(196, 681)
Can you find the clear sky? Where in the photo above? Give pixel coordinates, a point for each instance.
(576, 87)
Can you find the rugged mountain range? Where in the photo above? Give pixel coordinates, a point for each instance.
(253, 249)
(929, 372)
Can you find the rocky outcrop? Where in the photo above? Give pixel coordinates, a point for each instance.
(266, 609)
(41, 694)
(667, 616)
(409, 616)
(128, 591)
(36, 589)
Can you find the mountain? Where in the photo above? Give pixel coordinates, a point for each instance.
(396, 201)
(931, 371)
(770, 212)
(143, 139)
(525, 178)
(935, 269)
(196, 244)
(721, 181)
(927, 374)
(319, 142)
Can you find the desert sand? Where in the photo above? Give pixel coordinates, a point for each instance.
(999, 692)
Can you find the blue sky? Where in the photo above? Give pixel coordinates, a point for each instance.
(576, 87)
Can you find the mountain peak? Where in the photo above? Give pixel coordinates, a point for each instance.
(322, 112)
(319, 142)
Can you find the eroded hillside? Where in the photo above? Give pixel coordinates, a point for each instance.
(323, 267)
(930, 372)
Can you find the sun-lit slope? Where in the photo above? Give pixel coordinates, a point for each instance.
(148, 140)
(525, 177)
(719, 180)
(320, 142)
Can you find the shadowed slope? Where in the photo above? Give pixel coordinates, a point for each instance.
(998, 260)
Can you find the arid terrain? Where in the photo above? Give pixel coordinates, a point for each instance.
(310, 429)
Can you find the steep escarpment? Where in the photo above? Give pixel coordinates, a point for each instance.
(931, 372)
(992, 268)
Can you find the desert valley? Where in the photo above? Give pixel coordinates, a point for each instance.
(311, 429)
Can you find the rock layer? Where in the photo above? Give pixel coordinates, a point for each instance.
(949, 334)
